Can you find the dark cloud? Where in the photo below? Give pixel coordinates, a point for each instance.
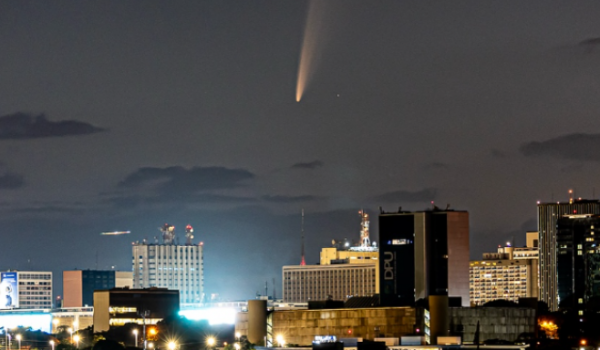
(401, 196)
(11, 181)
(289, 199)
(308, 165)
(591, 45)
(26, 126)
(436, 165)
(574, 146)
(496, 153)
(178, 179)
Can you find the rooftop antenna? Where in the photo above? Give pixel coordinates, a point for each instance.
(267, 289)
(302, 261)
(364, 229)
(189, 230)
(570, 196)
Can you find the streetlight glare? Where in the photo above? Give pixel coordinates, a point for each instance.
(238, 334)
(172, 345)
(76, 337)
(18, 337)
(135, 331)
(211, 341)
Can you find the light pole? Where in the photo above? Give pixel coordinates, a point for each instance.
(135, 332)
(52, 344)
(19, 340)
(210, 341)
(280, 340)
(237, 346)
(71, 331)
(76, 338)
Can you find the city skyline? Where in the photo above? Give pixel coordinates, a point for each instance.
(123, 116)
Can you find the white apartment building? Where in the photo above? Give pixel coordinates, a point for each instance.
(510, 273)
(26, 290)
(336, 281)
(179, 267)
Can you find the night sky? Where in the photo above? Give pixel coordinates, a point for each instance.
(124, 115)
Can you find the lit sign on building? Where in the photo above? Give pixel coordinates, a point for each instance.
(325, 339)
(9, 292)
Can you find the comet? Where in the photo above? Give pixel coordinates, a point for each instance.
(311, 43)
(115, 233)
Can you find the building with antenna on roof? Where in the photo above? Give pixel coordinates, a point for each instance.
(343, 272)
(170, 265)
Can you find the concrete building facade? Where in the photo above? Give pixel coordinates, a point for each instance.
(170, 266)
(79, 285)
(510, 273)
(331, 281)
(34, 288)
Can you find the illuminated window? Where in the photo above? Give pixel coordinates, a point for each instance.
(580, 301)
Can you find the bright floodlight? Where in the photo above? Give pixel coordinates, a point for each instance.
(238, 334)
(51, 342)
(211, 341)
(237, 346)
(135, 331)
(172, 345)
(150, 345)
(76, 337)
(280, 340)
(18, 337)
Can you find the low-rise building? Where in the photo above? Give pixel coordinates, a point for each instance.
(79, 285)
(118, 306)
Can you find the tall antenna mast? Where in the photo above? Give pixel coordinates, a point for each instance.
(302, 261)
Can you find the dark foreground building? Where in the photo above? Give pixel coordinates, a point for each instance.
(422, 254)
(548, 214)
(578, 260)
(118, 306)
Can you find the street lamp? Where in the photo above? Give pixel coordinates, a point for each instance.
(150, 345)
(237, 346)
(135, 332)
(19, 340)
(76, 338)
(71, 331)
(210, 341)
(172, 345)
(280, 340)
(52, 344)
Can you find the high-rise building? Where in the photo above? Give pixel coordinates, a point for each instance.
(422, 254)
(26, 290)
(510, 273)
(548, 214)
(578, 260)
(79, 285)
(170, 266)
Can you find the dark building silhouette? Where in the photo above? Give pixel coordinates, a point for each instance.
(578, 260)
(422, 254)
(548, 214)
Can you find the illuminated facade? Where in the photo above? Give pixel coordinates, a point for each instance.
(578, 261)
(179, 267)
(548, 214)
(34, 289)
(335, 281)
(119, 306)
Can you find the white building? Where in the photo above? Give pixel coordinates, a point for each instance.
(170, 266)
(510, 273)
(26, 290)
